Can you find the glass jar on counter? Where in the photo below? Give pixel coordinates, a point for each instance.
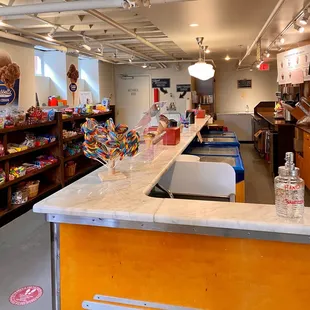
(289, 193)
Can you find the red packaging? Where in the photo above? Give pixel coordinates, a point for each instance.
(172, 136)
(201, 114)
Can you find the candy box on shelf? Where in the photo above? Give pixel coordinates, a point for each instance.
(17, 172)
(172, 136)
(29, 167)
(20, 195)
(201, 114)
(2, 176)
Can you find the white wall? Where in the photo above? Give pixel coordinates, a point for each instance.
(89, 72)
(231, 99)
(106, 81)
(23, 55)
(55, 68)
(43, 88)
(176, 77)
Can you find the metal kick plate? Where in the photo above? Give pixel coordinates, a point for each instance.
(116, 303)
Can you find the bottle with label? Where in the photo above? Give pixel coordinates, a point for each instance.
(289, 190)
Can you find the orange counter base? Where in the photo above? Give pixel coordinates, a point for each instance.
(194, 271)
(240, 191)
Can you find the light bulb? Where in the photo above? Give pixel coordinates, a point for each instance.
(282, 40)
(87, 47)
(299, 28)
(193, 25)
(227, 58)
(305, 18)
(207, 51)
(267, 54)
(144, 66)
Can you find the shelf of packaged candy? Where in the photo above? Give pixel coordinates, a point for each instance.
(22, 144)
(75, 169)
(24, 194)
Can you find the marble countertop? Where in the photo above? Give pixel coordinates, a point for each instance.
(127, 199)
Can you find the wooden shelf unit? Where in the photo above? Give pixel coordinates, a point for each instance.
(52, 177)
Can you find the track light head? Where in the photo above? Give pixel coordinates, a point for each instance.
(305, 18)
(299, 28)
(144, 66)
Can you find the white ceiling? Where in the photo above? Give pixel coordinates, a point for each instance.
(228, 26)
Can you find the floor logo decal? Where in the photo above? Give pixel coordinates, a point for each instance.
(26, 295)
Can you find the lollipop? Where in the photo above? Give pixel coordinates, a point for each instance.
(109, 142)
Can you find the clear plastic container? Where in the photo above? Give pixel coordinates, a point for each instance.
(289, 191)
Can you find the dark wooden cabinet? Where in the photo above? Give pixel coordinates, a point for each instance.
(52, 177)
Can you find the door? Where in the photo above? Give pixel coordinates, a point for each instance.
(132, 98)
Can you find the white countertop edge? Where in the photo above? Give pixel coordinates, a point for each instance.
(141, 208)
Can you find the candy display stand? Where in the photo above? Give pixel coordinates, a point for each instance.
(111, 174)
(108, 144)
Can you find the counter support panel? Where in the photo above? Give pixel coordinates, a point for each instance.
(176, 270)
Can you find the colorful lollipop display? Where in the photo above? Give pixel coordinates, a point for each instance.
(108, 143)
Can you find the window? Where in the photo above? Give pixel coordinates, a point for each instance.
(38, 65)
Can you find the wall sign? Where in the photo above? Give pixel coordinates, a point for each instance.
(183, 88)
(73, 87)
(244, 83)
(160, 83)
(294, 63)
(133, 91)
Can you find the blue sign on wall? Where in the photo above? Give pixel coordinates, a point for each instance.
(9, 95)
(73, 87)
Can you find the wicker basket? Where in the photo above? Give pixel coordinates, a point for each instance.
(70, 170)
(33, 189)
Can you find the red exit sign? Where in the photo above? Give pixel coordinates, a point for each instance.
(264, 67)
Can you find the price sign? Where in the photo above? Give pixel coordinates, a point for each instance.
(160, 83)
(244, 83)
(183, 88)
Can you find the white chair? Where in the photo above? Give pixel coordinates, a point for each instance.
(188, 158)
(207, 179)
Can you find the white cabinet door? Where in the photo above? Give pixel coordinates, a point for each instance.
(132, 98)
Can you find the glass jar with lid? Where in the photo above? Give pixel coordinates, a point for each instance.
(289, 191)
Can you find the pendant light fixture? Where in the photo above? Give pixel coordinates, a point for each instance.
(201, 70)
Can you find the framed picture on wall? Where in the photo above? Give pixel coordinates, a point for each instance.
(86, 97)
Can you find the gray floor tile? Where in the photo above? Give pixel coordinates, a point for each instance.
(25, 260)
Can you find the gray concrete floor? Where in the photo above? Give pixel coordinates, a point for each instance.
(259, 187)
(25, 242)
(25, 260)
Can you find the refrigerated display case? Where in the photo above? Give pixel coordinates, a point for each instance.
(212, 150)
